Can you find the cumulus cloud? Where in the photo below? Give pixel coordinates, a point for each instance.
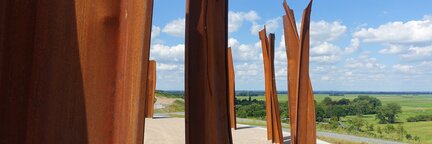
(155, 31)
(418, 53)
(354, 46)
(411, 40)
(415, 31)
(165, 53)
(364, 63)
(236, 19)
(175, 28)
(326, 31)
(392, 49)
(167, 67)
(271, 26)
(404, 68)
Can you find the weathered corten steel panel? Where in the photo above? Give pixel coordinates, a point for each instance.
(293, 52)
(276, 122)
(231, 77)
(71, 71)
(206, 87)
(268, 89)
(274, 128)
(148, 19)
(301, 101)
(151, 87)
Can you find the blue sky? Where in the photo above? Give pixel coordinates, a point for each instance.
(365, 45)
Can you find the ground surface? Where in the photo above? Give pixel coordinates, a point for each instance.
(171, 131)
(412, 105)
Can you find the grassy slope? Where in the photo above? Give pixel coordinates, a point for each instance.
(411, 106)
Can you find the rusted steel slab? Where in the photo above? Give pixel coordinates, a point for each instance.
(73, 74)
(148, 19)
(231, 90)
(301, 101)
(151, 87)
(267, 71)
(274, 128)
(206, 87)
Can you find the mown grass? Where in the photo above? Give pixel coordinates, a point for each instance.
(412, 105)
(337, 141)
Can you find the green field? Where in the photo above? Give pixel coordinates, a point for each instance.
(412, 105)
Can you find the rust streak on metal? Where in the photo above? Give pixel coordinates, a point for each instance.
(231, 77)
(206, 87)
(301, 102)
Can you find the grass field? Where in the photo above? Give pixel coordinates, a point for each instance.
(412, 105)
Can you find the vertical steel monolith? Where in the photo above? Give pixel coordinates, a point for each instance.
(151, 88)
(206, 87)
(274, 128)
(70, 71)
(300, 96)
(148, 20)
(231, 77)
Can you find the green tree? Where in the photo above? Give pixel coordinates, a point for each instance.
(336, 111)
(389, 113)
(327, 101)
(343, 101)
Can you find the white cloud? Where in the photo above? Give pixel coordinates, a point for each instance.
(353, 47)
(392, 49)
(404, 68)
(175, 28)
(364, 64)
(247, 70)
(325, 53)
(325, 49)
(271, 26)
(164, 53)
(326, 31)
(236, 19)
(418, 53)
(326, 78)
(247, 52)
(155, 31)
(411, 40)
(167, 67)
(232, 42)
(415, 31)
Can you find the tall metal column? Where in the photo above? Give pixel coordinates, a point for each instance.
(274, 128)
(148, 20)
(301, 101)
(206, 87)
(70, 71)
(231, 77)
(151, 87)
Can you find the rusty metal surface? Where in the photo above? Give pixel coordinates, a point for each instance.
(148, 18)
(151, 87)
(231, 77)
(73, 74)
(274, 128)
(206, 87)
(301, 101)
